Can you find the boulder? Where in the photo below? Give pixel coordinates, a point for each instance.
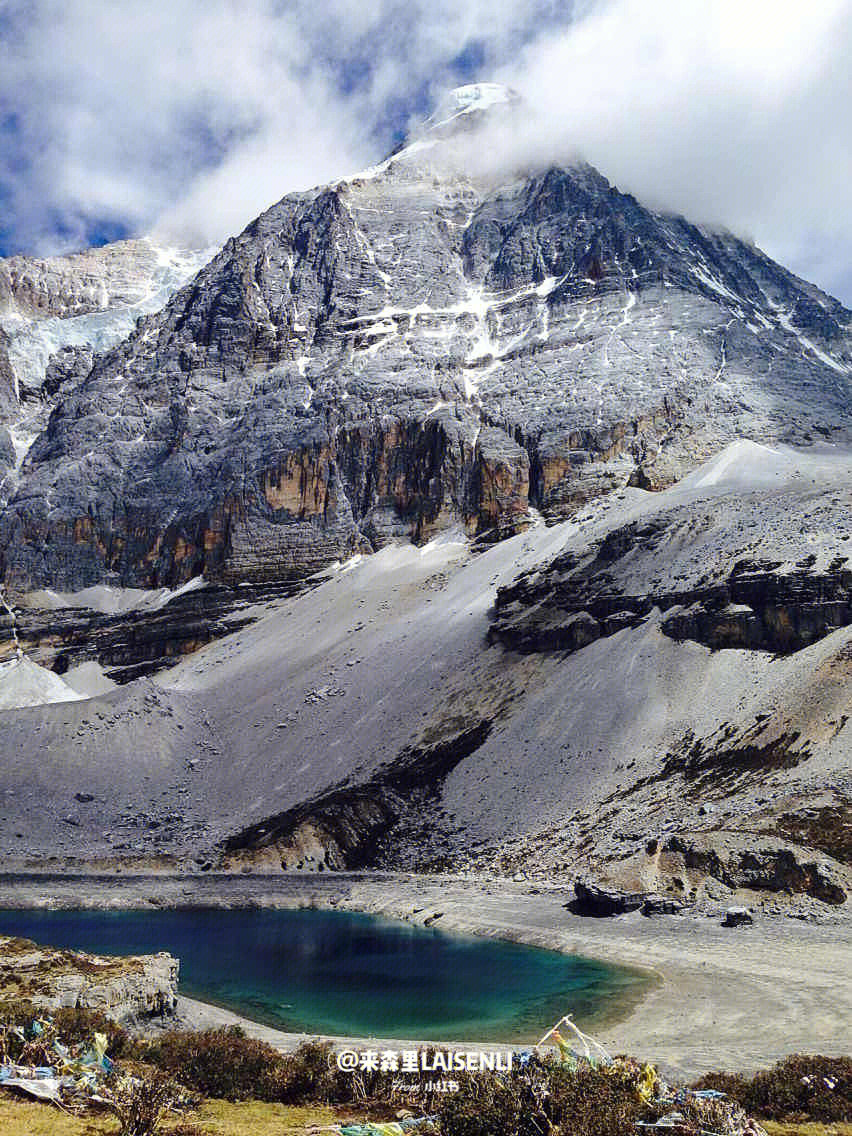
(596, 899)
(661, 905)
(737, 917)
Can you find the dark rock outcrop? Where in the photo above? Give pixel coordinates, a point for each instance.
(7, 451)
(825, 827)
(599, 900)
(763, 609)
(760, 864)
(661, 905)
(343, 828)
(135, 643)
(8, 392)
(69, 365)
(757, 605)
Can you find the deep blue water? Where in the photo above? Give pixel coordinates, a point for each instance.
(350, 974)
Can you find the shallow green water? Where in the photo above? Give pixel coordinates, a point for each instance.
(349, 974)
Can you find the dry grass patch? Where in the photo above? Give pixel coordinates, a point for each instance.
(774, 1128)
(257, 1118)
(213, 1118)
(27, 1118)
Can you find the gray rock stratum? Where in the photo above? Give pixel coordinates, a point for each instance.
(56, 313)
(410, 349)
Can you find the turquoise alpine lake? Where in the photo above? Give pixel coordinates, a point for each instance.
(354, 975)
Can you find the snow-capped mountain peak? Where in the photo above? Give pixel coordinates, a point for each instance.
(472, 98)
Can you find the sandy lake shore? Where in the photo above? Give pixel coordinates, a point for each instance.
(725, 998)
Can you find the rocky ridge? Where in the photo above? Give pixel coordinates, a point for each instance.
(138, 641)
(712, 571)
(116, 275)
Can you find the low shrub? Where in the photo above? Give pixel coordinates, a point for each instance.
(18, 1012)
(308, 1074)
(485, 1105)
(14, 1012)
(546, 1098)
(140, 1103)
(220, 1063)
(733, 1085)
(591, 1102)
(713, 1115)
(803, 1087)
(224, 1063)
(74, 1025)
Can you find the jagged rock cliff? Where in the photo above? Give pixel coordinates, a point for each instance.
(410, 349)
(135, 641)
(135, 986)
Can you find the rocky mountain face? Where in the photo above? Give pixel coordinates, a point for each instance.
(56, 312)
(407, 350)
(117, 275)
(578, 475)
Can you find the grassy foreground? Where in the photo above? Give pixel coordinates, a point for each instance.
(222, 1083)
(774, 1129)
(248, 1118)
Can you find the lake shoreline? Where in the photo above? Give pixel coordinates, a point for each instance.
(726, 998)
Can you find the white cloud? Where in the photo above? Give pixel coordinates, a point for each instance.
(197, 114)
(126, 106)
(203, 112)
(731, 111)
